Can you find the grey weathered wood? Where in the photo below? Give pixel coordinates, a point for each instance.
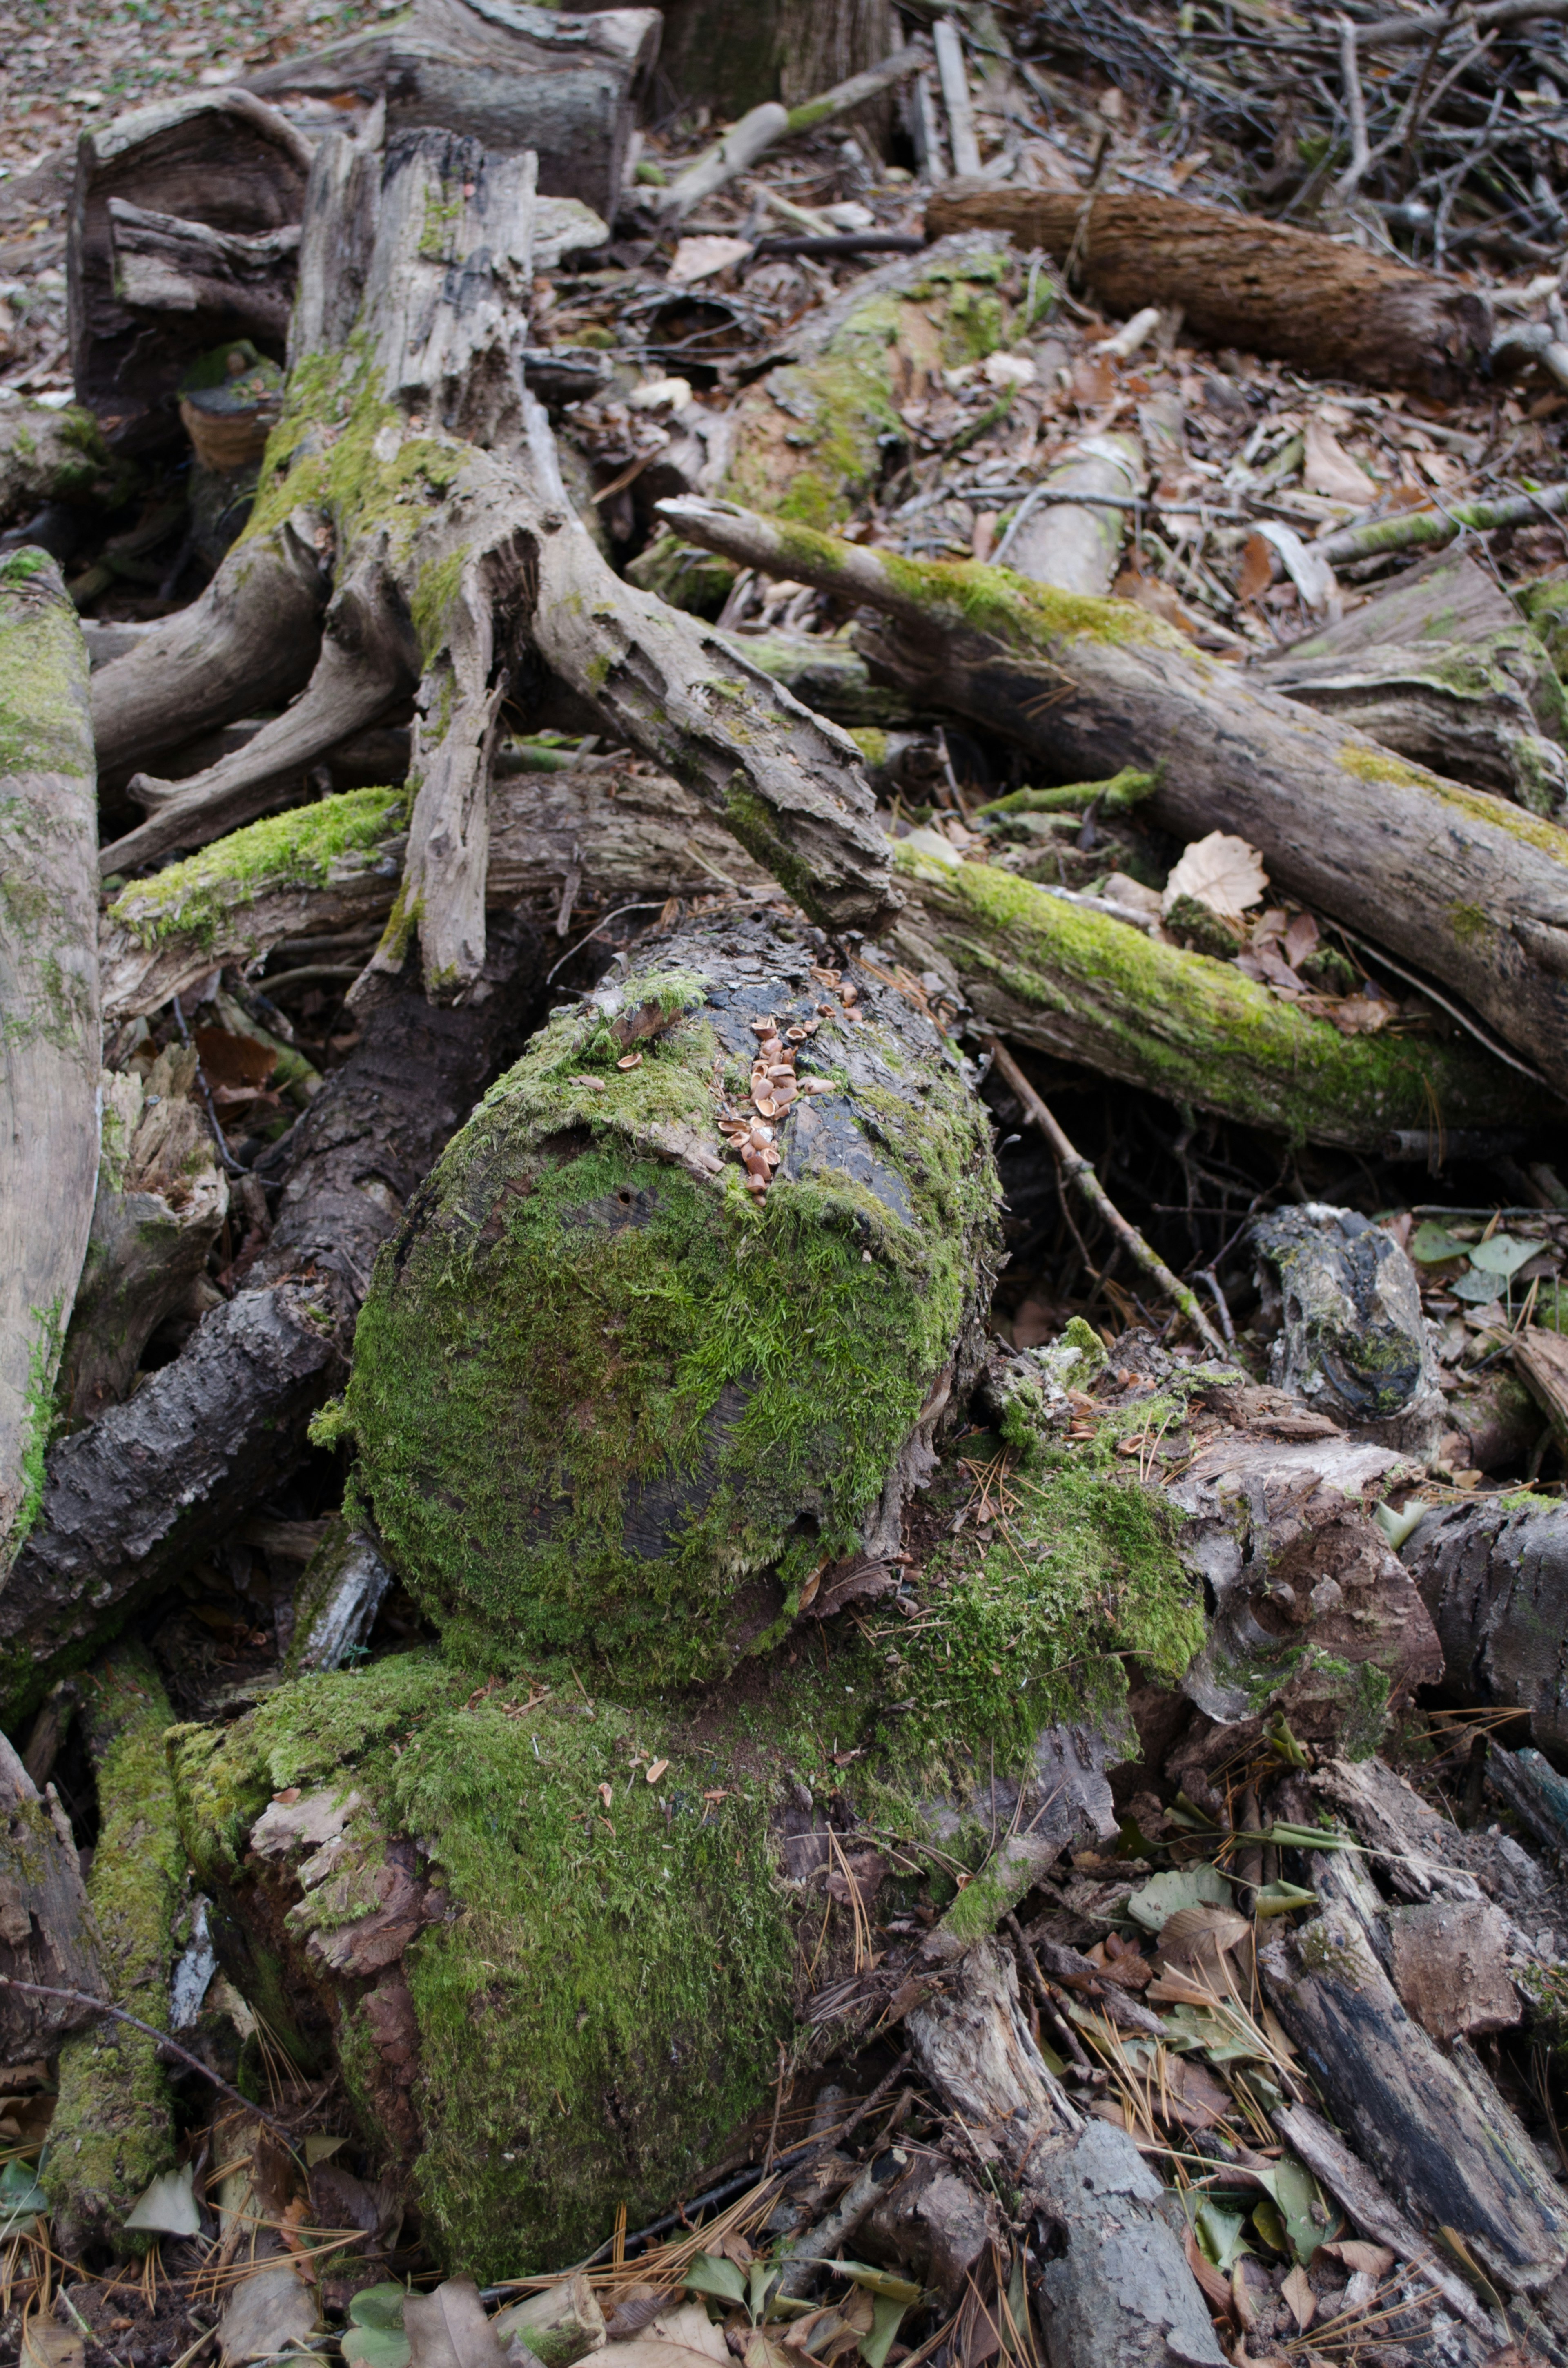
(511, 76)
(1117, 2292)
(1076, 547)
(218, 161)
(49, 1006)
(1461, 884)
(1431, 2125)
(1494, 1577)
(47, 1933)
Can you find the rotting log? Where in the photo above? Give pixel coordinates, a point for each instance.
(481, 550)
(567, 86)
(1462, 884)
(52, 456)
(47, 1932)
(218, 163)
(1431, 2124)
(1242, 282)
(788, 1263)
(112, 2126)
(132, 1499)
(48, 998)
(1115, 2290)
(1041, 969)
(1494, 1577)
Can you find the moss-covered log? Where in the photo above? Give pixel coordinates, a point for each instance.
(1046, 972)
(112, 2132)
(1463, 884)
(455, 554)
(49, 1010)
(51, 456)
(672, 1323)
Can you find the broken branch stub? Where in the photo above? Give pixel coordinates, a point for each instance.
(1460, 883)
(49, 987)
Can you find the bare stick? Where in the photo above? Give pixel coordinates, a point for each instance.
(955, 91)
(1045, 1996)
(1356, 109)
(1080, 1171)
(103, 2006)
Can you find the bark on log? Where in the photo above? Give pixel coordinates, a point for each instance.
(618, 1499)
(47, 1932)
(112, 2128)
(735, 54)
(1457, 883)
(48, 995)
(132, 1500)
(1115, 2290)
(566, 86)
(50, 456)
(223, 176)
(1242, 281)
(1432, 2127)
(1076, 548)
(1495, 1578)
(482, 548)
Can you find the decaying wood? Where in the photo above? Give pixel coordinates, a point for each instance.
(161, 1202)
(1431, 2125)
(1449, 1961)
(1396, 852)
(513, 564)
(1343, 1302)
(48, 994)
(178, 237)
(1076, 546)
(1494, 1577)
(47, 1933)
(1541, 1359)
(1243, 282)
(1115, 2291)
(134, 1498)
(764, 125)
(566, 86)
(49, 456)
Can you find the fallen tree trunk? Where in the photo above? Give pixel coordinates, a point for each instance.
(566, 86)
(1459, 884)
(1494, 1577)
(49, 992)
(112, 2129)
(1243, 282)
(130, 1501)
(1044, 969)
(482, 548)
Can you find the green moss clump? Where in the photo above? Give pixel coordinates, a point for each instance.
(111, 2133)
(698, 581)
(595, 1386)
(295, 849)
(601, 2001)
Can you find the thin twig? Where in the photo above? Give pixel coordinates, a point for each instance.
(1080, 1171)
(1356, 111)
(103, 2006)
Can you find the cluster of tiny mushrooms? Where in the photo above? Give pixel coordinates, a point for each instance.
(774, 1084)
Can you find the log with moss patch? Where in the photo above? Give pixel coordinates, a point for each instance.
(112, 2131)
(1461, 884)
(49, 456)
(458, 562)
(49, 1011)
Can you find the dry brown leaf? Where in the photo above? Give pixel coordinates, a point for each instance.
(1301, 938)
(47, 2344)
(698, 259)
(1377, 2260)
(1361, 1015)
(1299, 2297)
(1257, 568)
(1222, 871)
(1329, 469)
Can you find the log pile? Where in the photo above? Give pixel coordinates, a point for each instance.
(735, 1465)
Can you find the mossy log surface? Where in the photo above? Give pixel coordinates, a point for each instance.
(609, 1397)
(49, 1010)
(51, 456)
(1464, 885)
(111, 2131)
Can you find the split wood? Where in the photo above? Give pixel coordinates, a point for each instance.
(1080, 1172)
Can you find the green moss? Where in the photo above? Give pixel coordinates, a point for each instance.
(594, 1386)
(295, 849)
(433, 597)
(1471, 924)
(603, 2000)
(1193, 1029)
(111, 2131)
(340, 449)
(43, 672)
(38, 1423)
